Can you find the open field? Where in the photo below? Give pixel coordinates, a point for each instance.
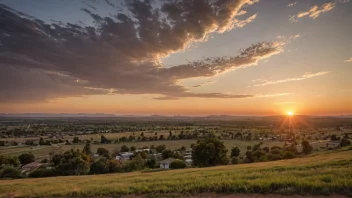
(323, 173)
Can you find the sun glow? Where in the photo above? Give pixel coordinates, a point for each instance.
(290, 113)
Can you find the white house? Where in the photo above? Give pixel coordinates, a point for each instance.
(165, 164)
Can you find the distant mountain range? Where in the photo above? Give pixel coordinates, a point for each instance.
(154, 116)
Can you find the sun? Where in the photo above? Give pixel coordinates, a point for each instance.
(290, 113)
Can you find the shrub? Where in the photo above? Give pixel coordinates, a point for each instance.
(99, 167)
(10, 172)
(26, 158)
(344, 142)
(234, 160)
(115, 166)
(307, 148)
(235, 152)
(288, 155)
(42, 172)
(44, 161)
(178, 164)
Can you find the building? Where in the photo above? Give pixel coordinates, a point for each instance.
(165, 164)
(125, 156)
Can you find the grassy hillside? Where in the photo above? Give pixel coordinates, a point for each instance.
(325, 173)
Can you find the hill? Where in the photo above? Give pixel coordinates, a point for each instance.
(323, 173)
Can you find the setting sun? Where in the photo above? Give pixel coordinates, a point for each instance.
(290, 113)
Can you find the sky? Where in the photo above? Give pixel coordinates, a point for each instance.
(176, 57)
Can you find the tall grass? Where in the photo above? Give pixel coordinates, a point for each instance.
(321, 174)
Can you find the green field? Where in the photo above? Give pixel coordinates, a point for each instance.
(322, 173)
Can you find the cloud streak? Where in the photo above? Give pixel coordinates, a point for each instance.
(303, 77)
(315, 11)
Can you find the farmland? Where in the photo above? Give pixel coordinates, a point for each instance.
(320, 173)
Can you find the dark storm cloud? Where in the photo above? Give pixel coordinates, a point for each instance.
(119, 54)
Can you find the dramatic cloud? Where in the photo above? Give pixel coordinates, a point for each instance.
(121, 53)
(314, 11)
(348, 60)
(303, 77)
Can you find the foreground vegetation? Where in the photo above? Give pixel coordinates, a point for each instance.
(323, 173)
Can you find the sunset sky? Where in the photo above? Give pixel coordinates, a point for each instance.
(238, 57)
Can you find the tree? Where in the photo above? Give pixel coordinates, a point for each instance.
(178, 164)
(72, 162)
(115, 166)
(10, 172)
(7, 160)
(235, 152)
(99, 167)
(209, 152)
(103, 139)
(166, 153)
(87, 148)
(41, 141)
(26, 158)
(124, 148)
(75, 140)
(133, 148)
(333, 137)
(151, 163)
(234, 160)
(160, 148)
(103, 151)
(344, 142)
(307, 148)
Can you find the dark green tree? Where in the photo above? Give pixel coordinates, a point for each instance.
(100, 166)
(166, 153)
(103, 151)
(307, 148)
(178, 164)
(235, 152)
(209, 152)
(75, 140)
(160, 148)
(87, 148)
(103, 139)
(26, 158)
(124, 148)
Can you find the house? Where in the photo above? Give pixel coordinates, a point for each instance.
(165, 164)
(125, 156)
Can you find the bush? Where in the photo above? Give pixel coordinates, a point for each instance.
(99, 167)
(344, 142)
(115, 166)
(44, 161)
(178, 164)
(307, 148)
(10, 172)
(42, 172)
(288, 155)
(234, 160)
(26, 158)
